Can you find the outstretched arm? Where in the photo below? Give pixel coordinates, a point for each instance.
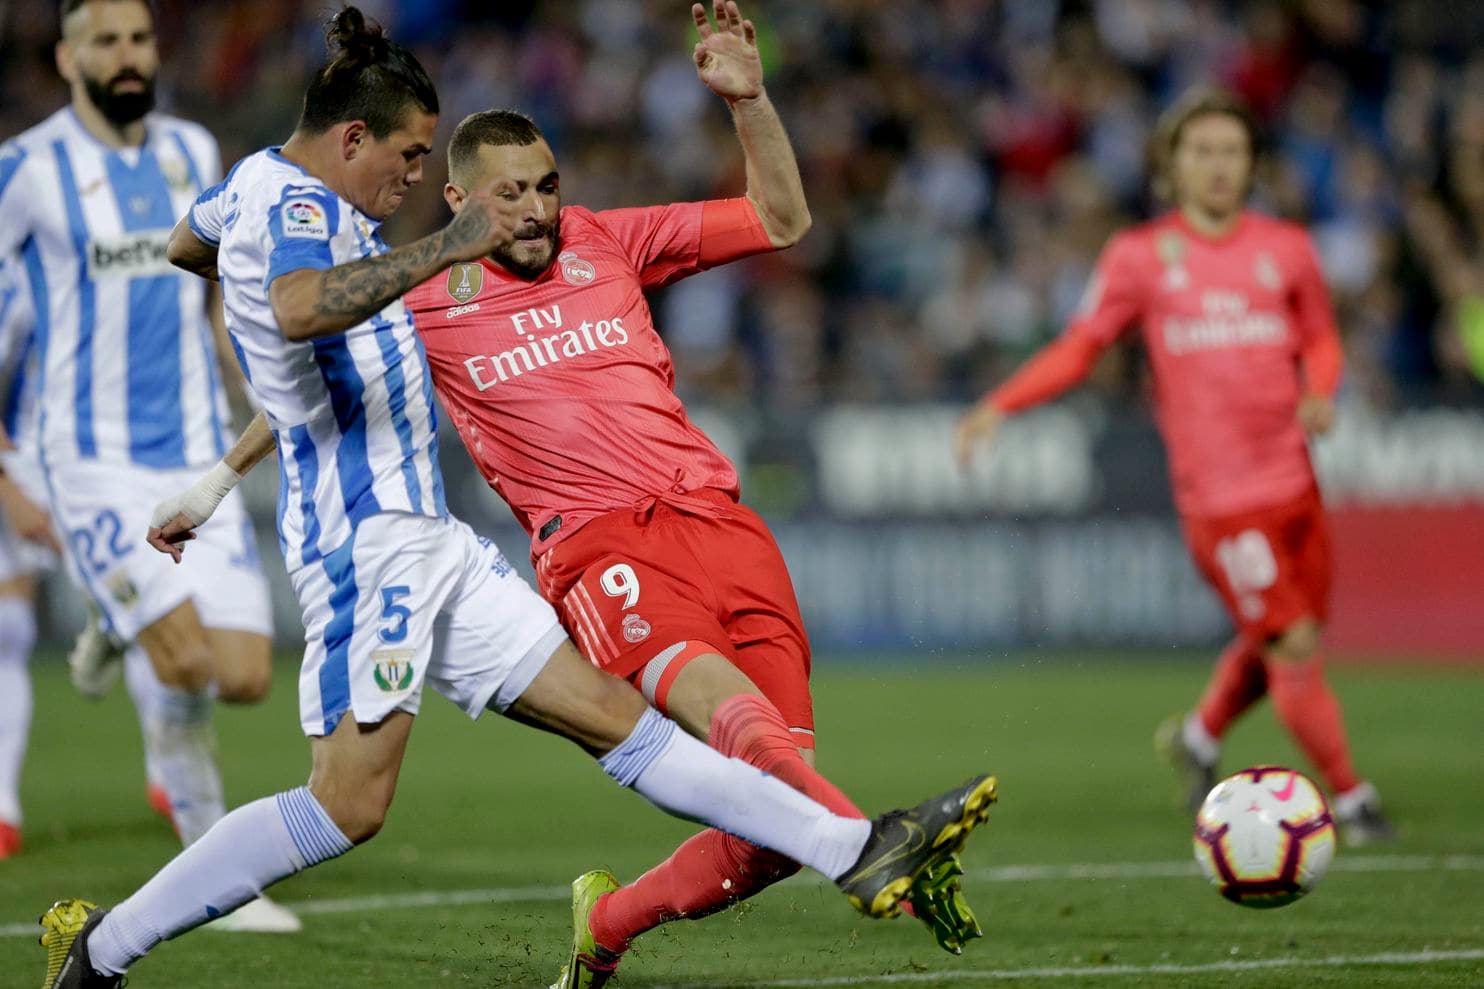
(727, 62)
(1056, 368)
(175, 519)
(1321, 357)
(309, 302)
(1112, 302)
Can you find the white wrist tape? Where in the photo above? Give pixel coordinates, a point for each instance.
(199, 500)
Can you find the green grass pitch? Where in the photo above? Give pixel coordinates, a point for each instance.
(1107, 895)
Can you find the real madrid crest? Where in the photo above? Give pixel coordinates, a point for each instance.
(575, 270)
(465, 280)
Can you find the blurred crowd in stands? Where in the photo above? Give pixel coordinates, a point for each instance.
(964, 159)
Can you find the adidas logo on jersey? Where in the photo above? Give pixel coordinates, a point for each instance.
(130, 256)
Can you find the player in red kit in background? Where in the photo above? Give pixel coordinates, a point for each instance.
(1246, 360)
(547, 359)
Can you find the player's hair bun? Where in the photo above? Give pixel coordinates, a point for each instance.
(351, 38)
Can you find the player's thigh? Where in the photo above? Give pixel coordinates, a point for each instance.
(242, 665)
(634, 616)
(494, 634)
(370, 608)
(178, 648)
(1313, 557)
(700, 687)
(355, 771)
(572, 698)
(1251, 562)
(764, 624)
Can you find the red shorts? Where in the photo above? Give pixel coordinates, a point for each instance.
(1271, 565)
(642, 591)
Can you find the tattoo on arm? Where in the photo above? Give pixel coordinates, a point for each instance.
(354, 292)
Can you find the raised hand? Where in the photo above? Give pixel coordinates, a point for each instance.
(726, 56)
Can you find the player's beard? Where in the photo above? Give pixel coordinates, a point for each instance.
(528, 267)
(121, 108)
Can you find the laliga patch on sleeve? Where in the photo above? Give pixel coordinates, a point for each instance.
(305, 218)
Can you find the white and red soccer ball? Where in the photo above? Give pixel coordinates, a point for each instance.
(1264, 837)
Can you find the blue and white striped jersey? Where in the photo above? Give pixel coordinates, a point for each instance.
(17, 359)
(127, 368)
(353, 413)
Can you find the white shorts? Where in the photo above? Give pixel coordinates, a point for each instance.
(103, 510)
(21, 557)
(411, 598)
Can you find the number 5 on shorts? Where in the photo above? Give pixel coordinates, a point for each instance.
(394, 613)
(620, 581)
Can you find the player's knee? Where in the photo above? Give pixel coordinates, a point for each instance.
(247, 686)
(188, 668)
(701, 686)
(1297, 642)
(358, 808)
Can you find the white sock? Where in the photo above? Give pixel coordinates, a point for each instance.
(17, 636)
(1347, 805)
(144, 687)
(178, 731)
(683, 777)
(1202, 744)
(246, 852)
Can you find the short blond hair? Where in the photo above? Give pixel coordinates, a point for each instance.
(1202, 101)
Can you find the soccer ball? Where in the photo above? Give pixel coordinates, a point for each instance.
(1264, 837)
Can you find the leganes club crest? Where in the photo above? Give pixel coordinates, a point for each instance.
(393, 670)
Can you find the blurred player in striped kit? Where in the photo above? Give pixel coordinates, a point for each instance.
(128, 399)
(1246, 358)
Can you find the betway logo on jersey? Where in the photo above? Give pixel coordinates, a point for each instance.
(1225, 321)
(130, 255)
(544, 340)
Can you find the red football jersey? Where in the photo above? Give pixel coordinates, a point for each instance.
(560, 387)
(1238, 329)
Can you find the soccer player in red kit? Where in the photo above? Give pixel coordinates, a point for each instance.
(547, 359)
(1246, 360)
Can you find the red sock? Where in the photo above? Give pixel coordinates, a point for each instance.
(708, 873)
(750, 728)
(1238, 681)
(713, 870)
(1311, 713)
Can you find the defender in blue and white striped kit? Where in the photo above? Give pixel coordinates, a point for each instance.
(360, 489)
